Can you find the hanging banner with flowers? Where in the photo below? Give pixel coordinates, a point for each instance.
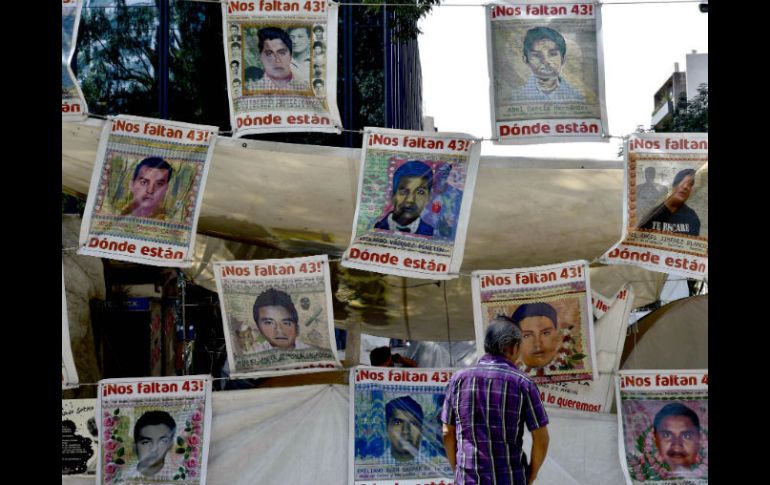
(663, 426)
(609, 334)
(277, 316)
(665, 208)
(414, 196)
(551, 305)
(69, 373)
(73, 103)
(546, 66)
(146, 191)
(154, 430)
(281, 60)
(395, 426)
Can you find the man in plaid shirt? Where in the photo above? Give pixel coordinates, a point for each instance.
(484, 414)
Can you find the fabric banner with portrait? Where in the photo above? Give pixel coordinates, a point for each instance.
(69, 373)
(663, 426)
(146, 191)
(665, 209)
(546, 71)
(79, 437)
(414, 200)
(281, 60)
(277, 316)
(395, 426)
(609, 334)
(551, 305)
(73, 103)
(154, 430)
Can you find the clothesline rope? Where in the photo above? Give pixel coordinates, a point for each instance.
(414, 4)
(360, 132)
(433, 282)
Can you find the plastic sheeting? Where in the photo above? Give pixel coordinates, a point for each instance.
(672, 337)
(583, 449)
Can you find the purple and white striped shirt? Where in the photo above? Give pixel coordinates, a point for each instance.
(488, 404)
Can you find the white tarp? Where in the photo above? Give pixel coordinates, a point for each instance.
(69, 374)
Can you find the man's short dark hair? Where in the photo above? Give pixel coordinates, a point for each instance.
(272, 33)
(379, 356)
(538, 309)
(317, 43)
(682, 174)
(153, 418)
(501, 335)
(318, 28)
(318, 81)
(675, 409)
(404, 403)
(540, 33)
(153, 162)
(273, 297)
(412, 168)
(236, 62)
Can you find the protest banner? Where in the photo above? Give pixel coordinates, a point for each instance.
(79, 437)
(414, 195)
(281, 60)
(73, 103)
(154, 430)
(663, 426)
(146, 191)
(665, 209)
(546, 71)
(277, 316)
(395, 426)
(609, 334)
(552, 307)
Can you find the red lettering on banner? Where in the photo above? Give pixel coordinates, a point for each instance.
(636, 381)
(235, 271)
(104, 244)
(378, 139)
(111, 388)
(643, 256)
(233, 7)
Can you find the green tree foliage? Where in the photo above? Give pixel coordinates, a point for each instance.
(693, 116)
(117, 58)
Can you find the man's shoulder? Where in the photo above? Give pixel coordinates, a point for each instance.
(383, 223)
(494, 370)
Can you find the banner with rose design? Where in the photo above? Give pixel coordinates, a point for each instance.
(154, 430)
(663, 426)
(552, 307)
